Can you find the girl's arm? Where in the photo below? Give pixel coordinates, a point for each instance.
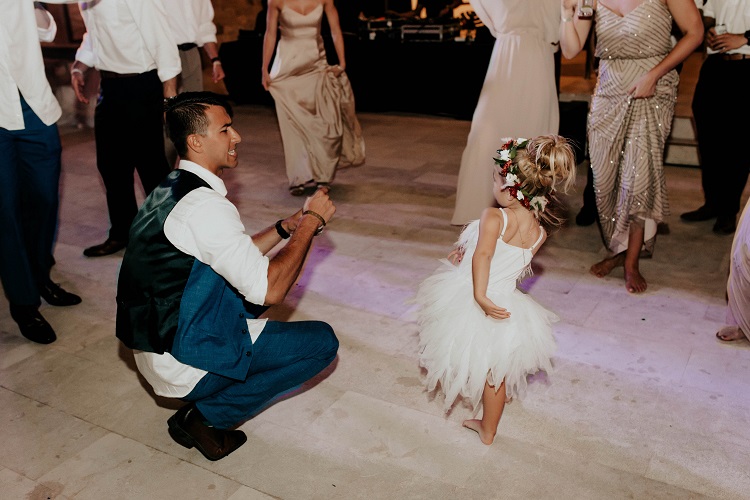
(338, 39)
(573, 31)
(688, 19)
(269, 39)
(489, 232)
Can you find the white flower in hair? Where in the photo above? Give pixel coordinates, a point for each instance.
(504, 154)
(511, 179)
(539, 203)
(519, 195)
(521, 140)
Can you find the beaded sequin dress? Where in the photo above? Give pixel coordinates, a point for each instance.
(627, 136)
(315, 110)
(460, 347)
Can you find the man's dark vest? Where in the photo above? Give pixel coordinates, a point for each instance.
(167, 301)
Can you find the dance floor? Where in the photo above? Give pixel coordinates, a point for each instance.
(644, 401)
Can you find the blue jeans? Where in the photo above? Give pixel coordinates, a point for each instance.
(29, 183)
(284, 356)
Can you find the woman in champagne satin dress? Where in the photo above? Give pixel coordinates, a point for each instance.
(314, 101)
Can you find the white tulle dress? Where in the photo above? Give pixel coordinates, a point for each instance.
(460, 347)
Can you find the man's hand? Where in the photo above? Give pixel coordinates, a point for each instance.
(321, 204)
(78, 80)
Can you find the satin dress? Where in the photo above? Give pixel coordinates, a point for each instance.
(315, 110)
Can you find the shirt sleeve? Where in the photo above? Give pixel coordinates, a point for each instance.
(47, 34)
(206, 27)
(85, 52)
(151, 18)
(208, 226)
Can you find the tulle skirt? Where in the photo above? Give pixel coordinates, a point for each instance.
(461, 348)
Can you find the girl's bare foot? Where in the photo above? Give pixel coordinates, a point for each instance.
(634, 282)
(476, 425)
(604, 267)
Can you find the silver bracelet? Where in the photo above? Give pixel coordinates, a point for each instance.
(76, 70)
(567, 19)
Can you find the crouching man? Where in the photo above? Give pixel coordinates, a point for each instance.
(191, 277)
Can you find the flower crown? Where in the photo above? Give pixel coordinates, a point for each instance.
(509, 170)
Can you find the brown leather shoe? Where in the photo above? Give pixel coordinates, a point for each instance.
(187, 428)
(107, 248)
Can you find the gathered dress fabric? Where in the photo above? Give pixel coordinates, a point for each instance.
(738, 284)
(518, 96)
(626, 135)
(315, 110)
(461, 347)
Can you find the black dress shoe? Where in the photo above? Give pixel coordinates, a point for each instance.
(107, 248)
(188, 429)
(725, 224)
(54, 295)
(703, 213)
(586, 216)
(33, 326)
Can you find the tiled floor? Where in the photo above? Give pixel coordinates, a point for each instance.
(644, 401)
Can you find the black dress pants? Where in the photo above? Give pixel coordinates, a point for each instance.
(720, 102)
(128, 127)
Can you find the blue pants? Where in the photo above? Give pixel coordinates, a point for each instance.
(29, 180)
(284, 356)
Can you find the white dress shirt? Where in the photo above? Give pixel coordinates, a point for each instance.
(128, 36)
(192, 21)
(22, 67)
(734, 14)
(206, 225)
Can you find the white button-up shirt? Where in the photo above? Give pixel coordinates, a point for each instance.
(128, 36)
(734, 15)
(22, 67)
(207, 226)
(192, 21)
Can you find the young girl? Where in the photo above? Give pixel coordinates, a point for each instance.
(479, 335)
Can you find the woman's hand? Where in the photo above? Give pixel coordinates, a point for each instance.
(644, 86)
(266, 80)
(336, 70)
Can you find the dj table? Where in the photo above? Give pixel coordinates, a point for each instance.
(391, 72)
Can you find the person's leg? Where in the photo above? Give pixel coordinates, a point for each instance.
(734, 167)
(39, 154)
(285, 355)
(15, 269)
(707, 117)
(634, 281)
(148, 113)
(113, 124)
(493, 404)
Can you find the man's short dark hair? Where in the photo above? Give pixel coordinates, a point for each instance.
(186, 114)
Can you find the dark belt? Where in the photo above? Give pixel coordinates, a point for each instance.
(186, 46)
(734, 57)
(111, 74)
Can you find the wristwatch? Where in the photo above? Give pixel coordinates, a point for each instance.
(747, 36)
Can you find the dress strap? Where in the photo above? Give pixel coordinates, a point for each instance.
(538, 240)
(505, 223)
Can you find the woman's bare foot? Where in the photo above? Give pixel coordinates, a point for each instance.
(730, 334)
(476, 425)
(604, 267)
(634, 281)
